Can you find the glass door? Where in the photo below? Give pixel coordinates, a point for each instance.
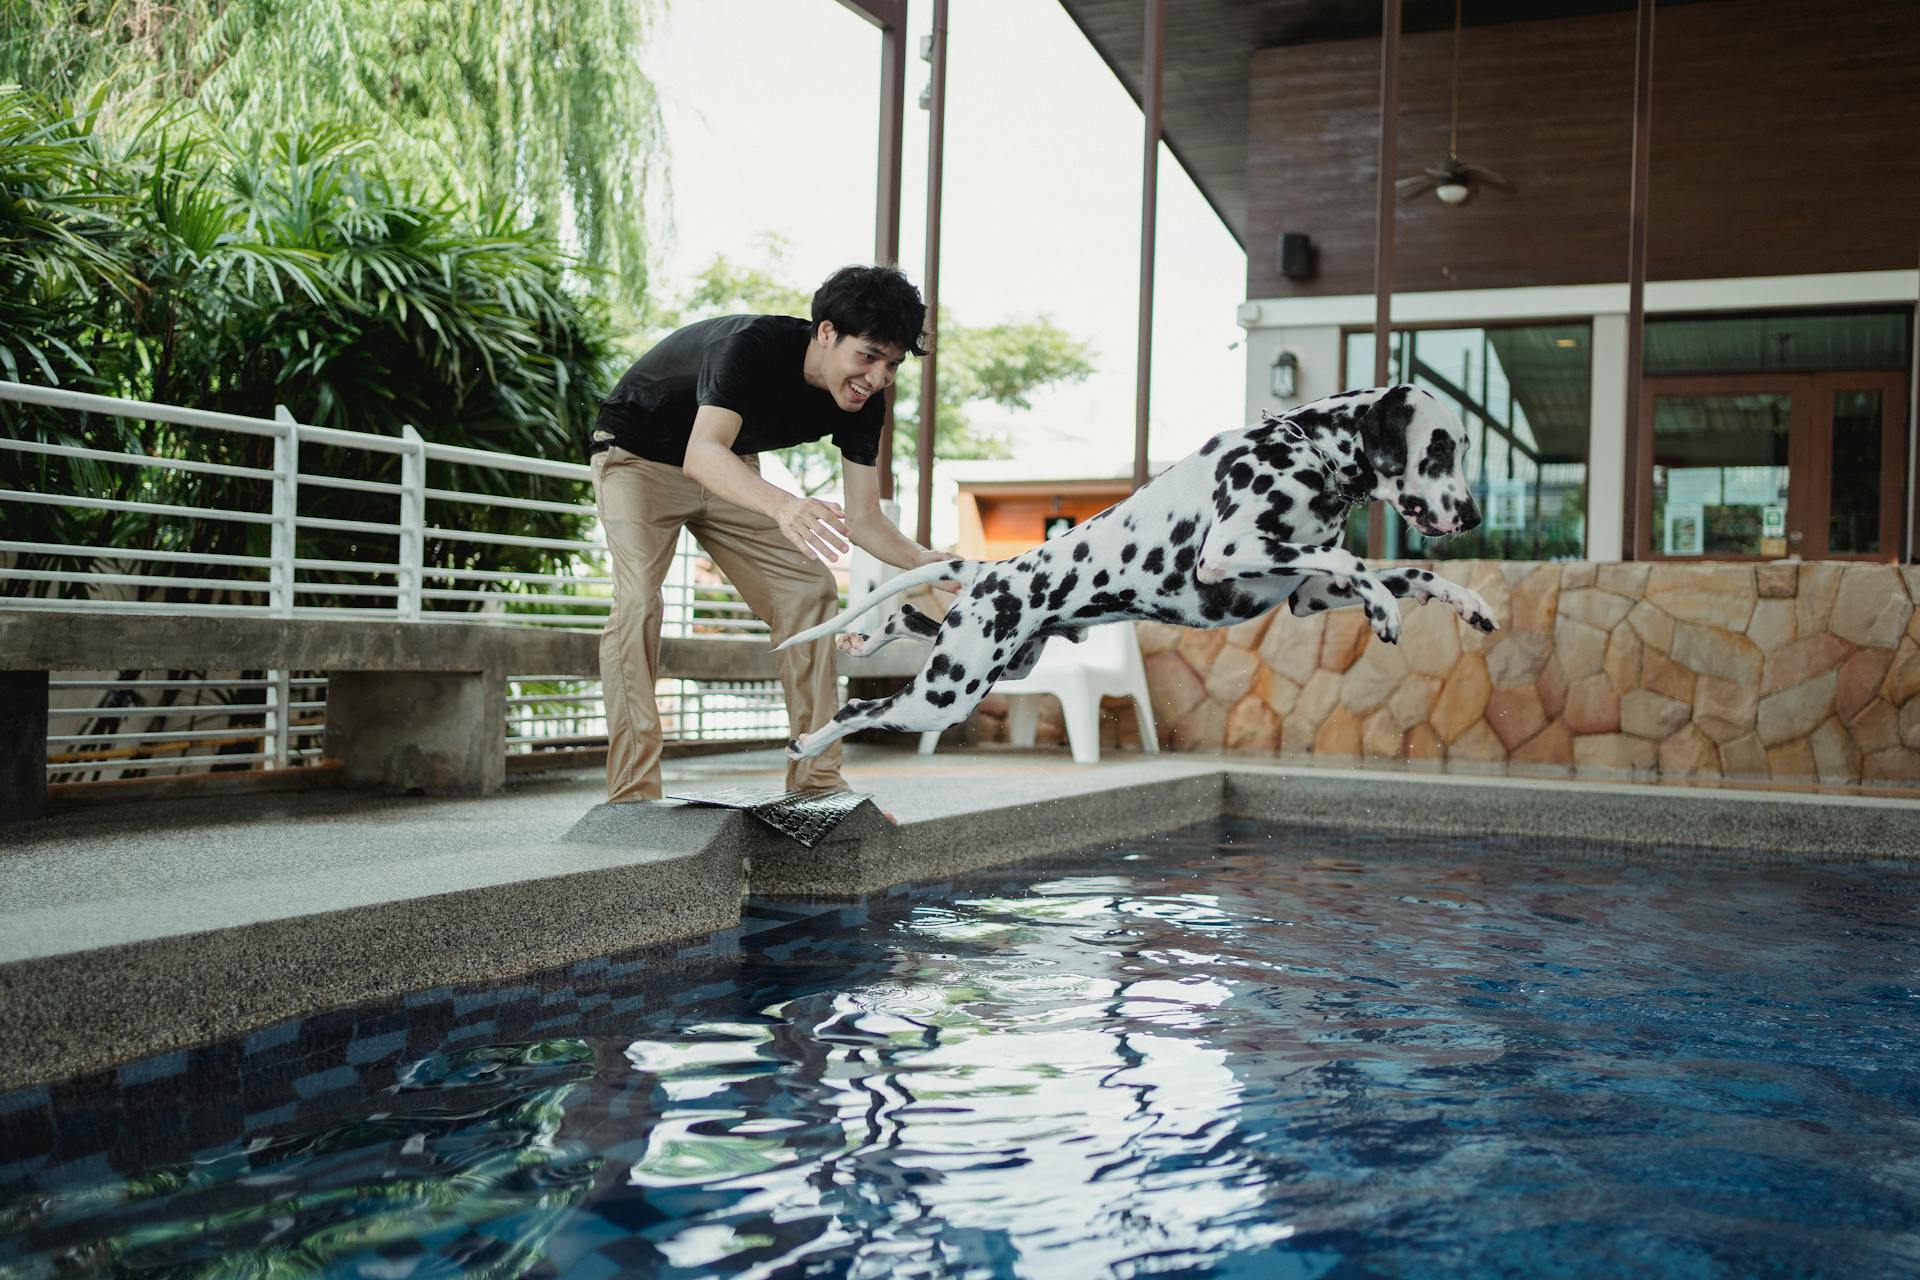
(1772, 466)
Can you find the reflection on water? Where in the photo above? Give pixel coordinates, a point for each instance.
(1232, 1051)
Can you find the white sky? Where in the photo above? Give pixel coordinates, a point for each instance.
(771, 109)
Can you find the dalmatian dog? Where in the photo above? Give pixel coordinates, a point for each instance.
(1252, 519)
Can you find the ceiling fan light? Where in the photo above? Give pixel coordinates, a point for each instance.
(1453, 192)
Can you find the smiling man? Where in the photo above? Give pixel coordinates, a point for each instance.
(676, 446)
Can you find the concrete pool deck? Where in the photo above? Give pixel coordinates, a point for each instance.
(130, 930)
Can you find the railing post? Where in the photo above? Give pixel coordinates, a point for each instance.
(286, 507)
(285, 530)
(413, 522)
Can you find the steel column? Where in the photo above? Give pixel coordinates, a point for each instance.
(929, 365)
(1150, 105)
(1637, 269)
(1389, 164)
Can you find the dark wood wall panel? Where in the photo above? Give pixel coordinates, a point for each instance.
(1785, 142)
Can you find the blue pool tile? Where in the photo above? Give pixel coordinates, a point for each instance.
(328, 1081)
(273, 1117)
(271, 1037)
(159, 1067)
(478, 1030)
(375, 1048)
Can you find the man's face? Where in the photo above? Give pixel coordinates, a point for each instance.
(854, 369)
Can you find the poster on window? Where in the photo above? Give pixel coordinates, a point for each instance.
(1693, 486)
(1685, 529)
(1506, 504)
(1752, 486)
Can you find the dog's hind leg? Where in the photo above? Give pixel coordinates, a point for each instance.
(909, 622)
(922, 705)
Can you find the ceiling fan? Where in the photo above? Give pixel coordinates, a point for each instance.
(1456, 180)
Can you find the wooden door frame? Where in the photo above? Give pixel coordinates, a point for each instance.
(1893, 459)
(1809, 454)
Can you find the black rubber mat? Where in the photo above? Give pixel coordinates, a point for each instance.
(806, 816)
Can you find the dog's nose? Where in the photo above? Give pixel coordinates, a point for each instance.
(1469, 516)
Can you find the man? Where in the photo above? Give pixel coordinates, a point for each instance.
(676, 445)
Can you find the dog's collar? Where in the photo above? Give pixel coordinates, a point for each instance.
(1358, 491)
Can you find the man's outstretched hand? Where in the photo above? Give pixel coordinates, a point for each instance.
(817, 527)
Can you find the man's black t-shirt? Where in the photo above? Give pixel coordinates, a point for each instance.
(749, 364)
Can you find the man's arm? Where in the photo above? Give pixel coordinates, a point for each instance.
(872, 532)
(818, 528)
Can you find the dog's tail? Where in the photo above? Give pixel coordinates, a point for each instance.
(957, 569)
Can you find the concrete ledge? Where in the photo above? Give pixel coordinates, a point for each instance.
(1552, 817)
(82, 1011)
(77, 640)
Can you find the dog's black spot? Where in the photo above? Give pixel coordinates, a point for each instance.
(1228, 549)
(957, 673)
(1082, 551)
(1383, 431)
(1183, 559)
(1262, 482)
(1282, 552)
(1317, 605)
(1128, 552)
(973, 686)
(945, 698)
(1101, 578)
(917, 622)
(1210, 446)
(1183, 531)
(1240, 476)
(1037, 589)
(1060, 593)
(994, 674)
(1006, 616)
(1154, 561)
(1172, 583)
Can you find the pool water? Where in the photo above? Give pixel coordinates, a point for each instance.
(1235, 1050)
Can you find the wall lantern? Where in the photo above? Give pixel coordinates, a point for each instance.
(1283, 378)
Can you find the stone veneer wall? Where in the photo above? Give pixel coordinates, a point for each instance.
(1784, 672)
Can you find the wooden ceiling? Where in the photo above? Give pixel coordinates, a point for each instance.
(1209, 42)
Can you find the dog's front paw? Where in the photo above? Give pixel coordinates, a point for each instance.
(795, 749)
(1470, 605)
(851, 642)
(1385, 622)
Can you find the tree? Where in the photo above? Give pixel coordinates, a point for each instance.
(534, 106)
(1001, 364)
(182, 268)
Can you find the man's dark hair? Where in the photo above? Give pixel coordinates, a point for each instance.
(873, 302)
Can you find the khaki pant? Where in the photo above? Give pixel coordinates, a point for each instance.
(643, 506)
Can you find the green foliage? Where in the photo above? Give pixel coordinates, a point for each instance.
(1001, 364)
(534, 105)
(178, 265)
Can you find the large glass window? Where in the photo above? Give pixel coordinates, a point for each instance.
(1523, 394)
(1720, 473)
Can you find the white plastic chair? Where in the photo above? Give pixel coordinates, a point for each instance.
(1106, 664)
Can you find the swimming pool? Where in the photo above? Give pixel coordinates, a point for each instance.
(1236, 1049)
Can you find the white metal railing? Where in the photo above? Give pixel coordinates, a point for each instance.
(392, 577)
(417, 563)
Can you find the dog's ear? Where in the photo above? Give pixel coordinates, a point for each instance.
(1383, 431)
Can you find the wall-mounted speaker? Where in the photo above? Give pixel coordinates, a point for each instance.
(1296, 255)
